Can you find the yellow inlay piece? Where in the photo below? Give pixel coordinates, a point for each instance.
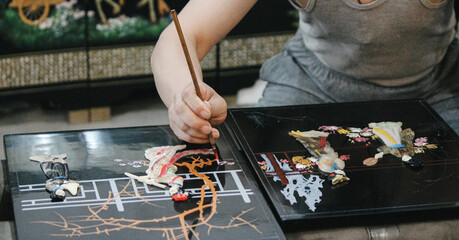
(385, 134)
(431, 146)
(301, 160)
(296, 159)
(299, 133)
(343, 131)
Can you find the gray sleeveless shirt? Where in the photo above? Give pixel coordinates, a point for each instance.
(385, 42)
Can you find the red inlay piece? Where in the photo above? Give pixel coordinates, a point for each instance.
(279, 171)
(323, 142)
(179, 197)
(160, 151)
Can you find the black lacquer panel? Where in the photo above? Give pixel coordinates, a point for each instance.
(387, 187)
(110, 206)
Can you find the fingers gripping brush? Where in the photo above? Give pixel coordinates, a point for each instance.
(193, 75)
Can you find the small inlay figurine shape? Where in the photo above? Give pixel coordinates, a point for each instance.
(397, 142)
(56, 170)
(328, 160)
(161, 171)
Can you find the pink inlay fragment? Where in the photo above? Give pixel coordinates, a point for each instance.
(420, 142)
(367, 129)
(221, 163)
(371, 161)
(329, 128)
(361, 139)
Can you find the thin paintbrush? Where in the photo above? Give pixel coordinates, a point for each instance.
(193, 74)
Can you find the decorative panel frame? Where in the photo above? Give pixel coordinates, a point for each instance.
(19, 71)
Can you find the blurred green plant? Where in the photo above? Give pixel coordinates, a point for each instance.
(123, 29)
(65, 27)
(29, 38)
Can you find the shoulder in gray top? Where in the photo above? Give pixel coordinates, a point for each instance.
(386, 42)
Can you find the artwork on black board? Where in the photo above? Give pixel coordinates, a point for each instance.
(222, 203)
(57, 24)
(204, 197)
(40, 25)
(57, 172)
(334, 160)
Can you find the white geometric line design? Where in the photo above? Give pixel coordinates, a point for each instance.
(240, 187)
(119, 203)
(94, 187)
(94, 199)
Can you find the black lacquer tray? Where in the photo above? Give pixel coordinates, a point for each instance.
(111, 206)
(387, 187)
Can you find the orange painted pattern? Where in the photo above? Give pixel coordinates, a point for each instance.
(94, 224)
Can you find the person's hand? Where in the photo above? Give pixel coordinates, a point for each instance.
(191, 118)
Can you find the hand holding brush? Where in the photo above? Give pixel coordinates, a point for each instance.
(193, 75)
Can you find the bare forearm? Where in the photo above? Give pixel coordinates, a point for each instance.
(204, 23)
(169, 65)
